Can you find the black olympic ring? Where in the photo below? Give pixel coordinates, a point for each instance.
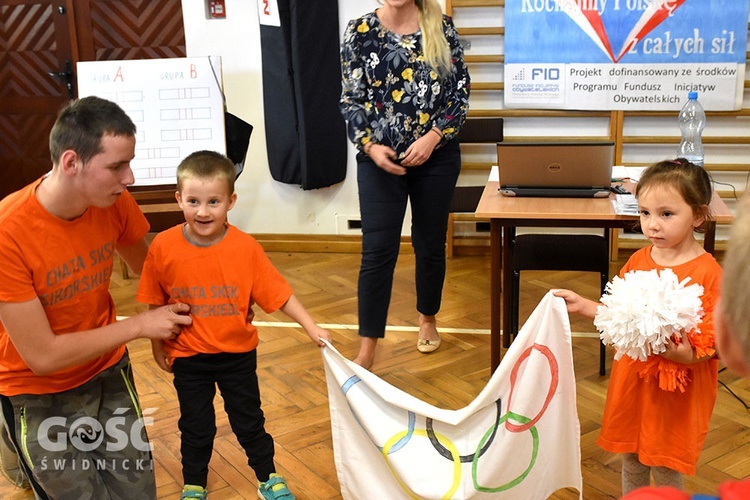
(442, 450)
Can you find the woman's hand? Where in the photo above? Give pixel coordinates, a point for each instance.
(421, 149)
(383, 157)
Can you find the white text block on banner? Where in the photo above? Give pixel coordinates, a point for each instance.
(176, 105)
(625, 55)
(519, 438)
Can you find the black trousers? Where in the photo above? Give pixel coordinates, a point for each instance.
(382, 200)
(196, 379)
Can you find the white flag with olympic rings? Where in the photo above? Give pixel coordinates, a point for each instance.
(520, 437)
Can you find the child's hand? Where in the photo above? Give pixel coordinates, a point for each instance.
(163, 322)
(577, 304)
(318, 333)
(294, 309)
(160, 356)
(680, 351)
(572, 300)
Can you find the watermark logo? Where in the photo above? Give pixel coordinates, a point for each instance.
(86, 434)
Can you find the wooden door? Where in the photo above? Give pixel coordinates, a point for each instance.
(40, 43)
(34, 47)
(112, 30)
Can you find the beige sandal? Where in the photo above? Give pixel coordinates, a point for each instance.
(427, 346)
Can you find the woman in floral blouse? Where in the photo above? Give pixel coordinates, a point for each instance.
(405, 96)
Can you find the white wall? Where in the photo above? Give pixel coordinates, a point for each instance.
(265, 205)
(270, 207)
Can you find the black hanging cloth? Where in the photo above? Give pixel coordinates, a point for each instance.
(305, 132)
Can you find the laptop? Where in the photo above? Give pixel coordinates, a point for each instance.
(555, 169)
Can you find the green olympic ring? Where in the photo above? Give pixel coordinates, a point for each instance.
(490, 432)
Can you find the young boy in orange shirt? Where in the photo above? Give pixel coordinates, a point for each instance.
(219, 271)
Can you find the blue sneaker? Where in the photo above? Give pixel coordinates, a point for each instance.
(191, 491)
(274, 489)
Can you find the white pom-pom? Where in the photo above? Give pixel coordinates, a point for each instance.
(644, 309)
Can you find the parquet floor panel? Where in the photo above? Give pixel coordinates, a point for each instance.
(295, 397)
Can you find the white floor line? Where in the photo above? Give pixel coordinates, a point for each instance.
(336, 326)
(459, 331)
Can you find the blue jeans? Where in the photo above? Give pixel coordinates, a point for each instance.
(382, 200)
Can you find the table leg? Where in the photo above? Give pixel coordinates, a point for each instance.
(496, 251)
(709, 237)
(509, 236)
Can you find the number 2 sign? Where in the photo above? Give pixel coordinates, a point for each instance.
(268, 12)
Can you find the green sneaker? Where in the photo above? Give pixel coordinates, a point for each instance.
(274, 489)
(193, 491)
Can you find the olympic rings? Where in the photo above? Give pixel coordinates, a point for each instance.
(555, 378)
(464, 458)
(398, 437)
(412, 418)
(514, 422)
(350, 382)
(491, 432)
(405, 439)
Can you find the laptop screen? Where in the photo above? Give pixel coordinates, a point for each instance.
(555, 169)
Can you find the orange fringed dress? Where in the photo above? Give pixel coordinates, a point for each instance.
(660, 409)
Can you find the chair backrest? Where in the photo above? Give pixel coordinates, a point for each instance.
(561, 252)
(475, 131)
(466, 198)
(479, 130)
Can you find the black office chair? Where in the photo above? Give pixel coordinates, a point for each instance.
(466, 198)
(560, 252)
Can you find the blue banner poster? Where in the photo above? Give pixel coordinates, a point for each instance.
(625, 54)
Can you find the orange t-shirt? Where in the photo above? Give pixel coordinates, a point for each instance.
(665, 428)
(219, 282)
(67, 265)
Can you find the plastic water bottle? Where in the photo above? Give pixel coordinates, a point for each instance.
(692, 120)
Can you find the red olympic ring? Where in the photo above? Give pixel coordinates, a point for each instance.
(555, 378)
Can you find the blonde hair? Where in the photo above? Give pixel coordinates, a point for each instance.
(206, 165)
(735, 298)
(436, 50)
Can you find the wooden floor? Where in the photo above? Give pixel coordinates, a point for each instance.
(294, 391)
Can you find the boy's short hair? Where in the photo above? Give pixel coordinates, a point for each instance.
(81, 125)
(735, 297)
(206, 165)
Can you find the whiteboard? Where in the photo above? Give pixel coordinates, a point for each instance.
(176, 105)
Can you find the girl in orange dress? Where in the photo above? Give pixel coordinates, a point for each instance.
(657, 411)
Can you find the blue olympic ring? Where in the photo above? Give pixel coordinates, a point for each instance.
(412, 418)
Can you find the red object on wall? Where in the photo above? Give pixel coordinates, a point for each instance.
(217, 9)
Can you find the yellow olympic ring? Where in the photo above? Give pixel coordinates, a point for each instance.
(448, 445)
